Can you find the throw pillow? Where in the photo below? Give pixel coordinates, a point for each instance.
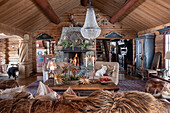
(43, 89)
(51, 96)
(11, 93)
(110, 70)
(8, 84)
(69, 94)
(45, 93)
(166, 91)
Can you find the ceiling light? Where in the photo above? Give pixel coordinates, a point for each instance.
(90, 30)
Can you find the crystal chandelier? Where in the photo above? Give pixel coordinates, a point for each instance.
(90, 30)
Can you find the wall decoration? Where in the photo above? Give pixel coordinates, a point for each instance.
(101, 20)
(166, 30)
(44, 36)
(39, 52)
(113, 35)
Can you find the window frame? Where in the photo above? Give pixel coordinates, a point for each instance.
(164, 53)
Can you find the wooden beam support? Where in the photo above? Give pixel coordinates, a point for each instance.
(49, 12)
(2, 2)
(84, 2)
(9, 30)
(123, 10)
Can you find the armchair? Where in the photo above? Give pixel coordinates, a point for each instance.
(113, 68)
(155, 64)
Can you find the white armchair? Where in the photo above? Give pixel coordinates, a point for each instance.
(113, 67)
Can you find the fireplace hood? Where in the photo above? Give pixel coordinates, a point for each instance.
(76, 49)
(71, 43)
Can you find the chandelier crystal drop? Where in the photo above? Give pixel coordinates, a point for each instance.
(90, 30)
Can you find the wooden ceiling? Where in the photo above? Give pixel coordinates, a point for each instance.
(108, 7)
(27, 16)
(150, 13)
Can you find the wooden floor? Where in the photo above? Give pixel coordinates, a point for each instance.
(33, 78)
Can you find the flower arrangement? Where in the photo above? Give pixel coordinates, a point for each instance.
(80, 43)
(65, 69)
(74, 71)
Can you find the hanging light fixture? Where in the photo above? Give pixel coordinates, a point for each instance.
(90, 30)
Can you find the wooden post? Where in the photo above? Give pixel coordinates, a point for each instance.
(23, 57)
(4, 51)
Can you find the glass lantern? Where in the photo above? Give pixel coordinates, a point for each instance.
(51, 66)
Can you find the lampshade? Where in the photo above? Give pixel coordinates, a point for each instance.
(167, 56)
(90, 30)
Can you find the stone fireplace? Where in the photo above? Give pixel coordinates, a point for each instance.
(77, 54)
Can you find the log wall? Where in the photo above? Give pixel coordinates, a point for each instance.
(9, 52)
(79, 14)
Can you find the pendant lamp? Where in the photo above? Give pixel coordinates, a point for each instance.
(90, 30)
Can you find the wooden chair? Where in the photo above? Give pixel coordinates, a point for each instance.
(155, 64)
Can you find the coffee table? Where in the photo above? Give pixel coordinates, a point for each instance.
(79, 88)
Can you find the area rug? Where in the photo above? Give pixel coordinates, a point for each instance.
(124, 85)
(132, 85)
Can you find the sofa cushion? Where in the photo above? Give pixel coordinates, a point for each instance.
(97, 102)
(8, 84)
(11, 92)
(158, 88)
(45, 93)
(69, 94)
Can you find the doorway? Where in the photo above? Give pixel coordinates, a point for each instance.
(44, 49)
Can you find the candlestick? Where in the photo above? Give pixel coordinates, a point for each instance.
(93, 60)
(86, 61)
(52, 68)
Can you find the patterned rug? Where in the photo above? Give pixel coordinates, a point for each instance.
(132, 85)
(124, 85)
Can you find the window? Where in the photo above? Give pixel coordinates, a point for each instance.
(167, 48)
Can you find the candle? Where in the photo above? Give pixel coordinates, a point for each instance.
(86, 61)
(93, 60)
(52, 68)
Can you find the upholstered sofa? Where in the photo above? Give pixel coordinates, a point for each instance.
(98, 102)
(113, 70)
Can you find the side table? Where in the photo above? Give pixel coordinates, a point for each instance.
(130, 69)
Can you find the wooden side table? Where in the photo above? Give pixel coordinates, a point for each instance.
(130, 69)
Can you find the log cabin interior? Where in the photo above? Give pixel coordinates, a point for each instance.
(134, 41)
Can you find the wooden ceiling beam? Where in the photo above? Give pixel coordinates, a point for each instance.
(9, 30)
(2, 2)
(123, 10)
(84, 2)
(48, 11)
